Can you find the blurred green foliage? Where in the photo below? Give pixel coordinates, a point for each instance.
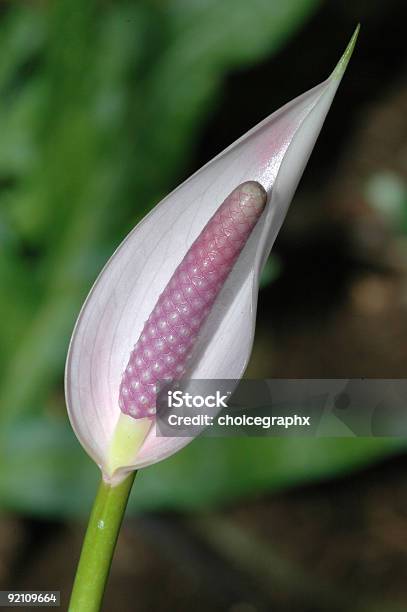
(386, 193)
(100, 106)
(44, 470)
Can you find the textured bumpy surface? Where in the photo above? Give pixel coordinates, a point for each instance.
(167, 339)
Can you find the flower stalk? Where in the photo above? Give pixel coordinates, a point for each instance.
(99, 544)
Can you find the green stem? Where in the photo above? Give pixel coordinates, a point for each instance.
(99, 544)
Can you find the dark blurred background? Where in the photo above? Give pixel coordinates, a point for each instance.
(104, 108)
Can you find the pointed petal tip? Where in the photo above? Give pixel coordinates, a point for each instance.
(343, 62)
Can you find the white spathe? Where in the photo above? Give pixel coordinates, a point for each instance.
(274, 153)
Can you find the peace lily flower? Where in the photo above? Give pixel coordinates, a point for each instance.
(177, 298)
(273, 154)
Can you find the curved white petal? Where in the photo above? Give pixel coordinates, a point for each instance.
(274, 153)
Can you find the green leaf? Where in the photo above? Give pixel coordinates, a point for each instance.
(218, 470)
(100, 109)
(44, 471)
(234, 32)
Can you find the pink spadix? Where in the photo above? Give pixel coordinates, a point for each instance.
(168, 336)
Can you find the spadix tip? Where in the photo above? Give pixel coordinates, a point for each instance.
(251, 194)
